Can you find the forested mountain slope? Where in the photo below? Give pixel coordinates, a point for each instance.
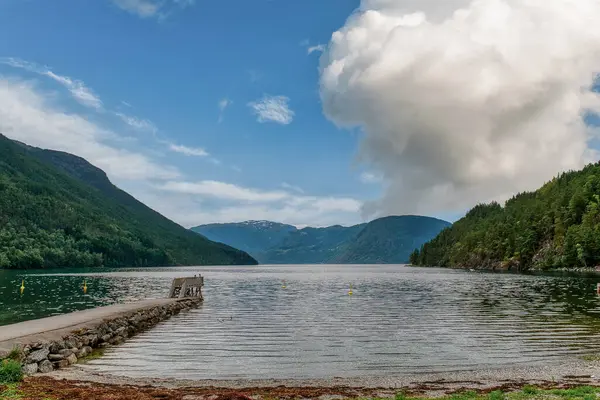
(390, 240)
(311, 245)
(57, 210)
(557, 226)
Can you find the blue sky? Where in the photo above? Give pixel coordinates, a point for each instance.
(306, 112)
(230, 84)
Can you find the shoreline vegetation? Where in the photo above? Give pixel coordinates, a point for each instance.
(580, 270)
(44, 388)
(556, 227)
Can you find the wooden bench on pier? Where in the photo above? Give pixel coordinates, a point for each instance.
(187, 287)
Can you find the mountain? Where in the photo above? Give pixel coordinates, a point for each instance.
(384, 240)
(556, 226)
(389, 240)
(58, 210)
(254, 237)
(310, 245)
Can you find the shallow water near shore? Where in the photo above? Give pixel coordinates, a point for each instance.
(398, 320)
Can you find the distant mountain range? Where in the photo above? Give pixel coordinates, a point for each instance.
(382, 241)
(58, 210)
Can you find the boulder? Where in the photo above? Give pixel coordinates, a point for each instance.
(45, 367)
(92, 340)
(61, 364)
(120, 331)
(105, 338)
(37, 356)
(85, 351)
(65, 352)
(55, 347)
(56, 357)
(72, 359)
(30, 369)
(72, 342)
(40, 345)
(116, 340)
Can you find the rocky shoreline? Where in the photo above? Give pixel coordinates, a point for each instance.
(46, 356)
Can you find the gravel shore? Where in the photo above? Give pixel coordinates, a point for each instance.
(555, 374)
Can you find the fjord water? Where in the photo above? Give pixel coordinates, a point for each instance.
(398, 320)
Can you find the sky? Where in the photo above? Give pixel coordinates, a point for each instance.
(306, 112)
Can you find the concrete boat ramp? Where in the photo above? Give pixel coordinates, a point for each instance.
(54, 328)
(57, 342)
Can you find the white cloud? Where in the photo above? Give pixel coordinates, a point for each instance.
(369, 177)
(223, 104)
(137, 123)
(188, 151)
(142, 8)
(225, 191)
(463, 101)
(273, 108)
(27, 115)
(77, 88)
(151, 8)
(286, 185)
(238, 203)
(126, 104)
(319, 48)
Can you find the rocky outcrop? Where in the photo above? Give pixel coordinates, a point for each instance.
(44, 357)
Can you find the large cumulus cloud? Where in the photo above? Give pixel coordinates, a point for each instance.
(464, 101)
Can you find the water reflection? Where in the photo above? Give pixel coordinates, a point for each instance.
(398, 320)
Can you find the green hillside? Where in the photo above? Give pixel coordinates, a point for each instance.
(557, 226)
(310, 245)
(389, 240)
(57, 210)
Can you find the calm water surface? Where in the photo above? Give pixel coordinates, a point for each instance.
(399, 320)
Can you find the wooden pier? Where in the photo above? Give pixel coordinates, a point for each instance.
(186, 287)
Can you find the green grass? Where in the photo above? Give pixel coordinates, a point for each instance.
(591, 357)
(527, 393)
(11, 392)
(15, 354)
(10, 372)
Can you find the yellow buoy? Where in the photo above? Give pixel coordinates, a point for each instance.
(283, 285)
(84, 287)
(350, 290)
(22, 286)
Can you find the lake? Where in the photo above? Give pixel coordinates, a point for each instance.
(398, 320)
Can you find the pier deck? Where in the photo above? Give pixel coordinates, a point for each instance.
(53, 328)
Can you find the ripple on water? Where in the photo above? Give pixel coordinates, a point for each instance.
(399, 320)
